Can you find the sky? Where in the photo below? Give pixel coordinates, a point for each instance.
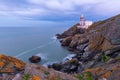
(27, 12)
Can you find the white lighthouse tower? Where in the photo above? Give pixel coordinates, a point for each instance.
(84, 24)
(82, 21)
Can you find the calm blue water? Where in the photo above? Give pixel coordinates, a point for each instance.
(23, 42)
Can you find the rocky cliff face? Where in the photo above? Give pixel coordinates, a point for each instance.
(98, 45)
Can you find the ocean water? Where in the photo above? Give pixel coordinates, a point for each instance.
(23, 42)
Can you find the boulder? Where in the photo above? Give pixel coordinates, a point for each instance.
(35, 59)
(71, 66)
(57, 66)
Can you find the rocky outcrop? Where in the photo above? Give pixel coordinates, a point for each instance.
(103, 72)
(35, 59)
(46, 73)
(10, 64)
(70, 66)
(66, 41)
(36, 72)
(71, 32)
(98, 45)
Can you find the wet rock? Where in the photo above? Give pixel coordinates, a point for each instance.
(61, 41)
(69, 66)
(35, 59)
(71, 49)
(57, 66)
(59, 36)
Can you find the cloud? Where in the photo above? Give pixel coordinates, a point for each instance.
(58, 8)
(107, 8)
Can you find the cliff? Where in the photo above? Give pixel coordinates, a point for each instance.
(98, 48)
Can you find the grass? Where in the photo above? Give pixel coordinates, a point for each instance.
(117, 58)
(104, 58)
(79, 76)
(26, 77)
(88, 76)
(46, 72)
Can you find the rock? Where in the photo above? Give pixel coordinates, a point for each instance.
(59, 36)
(57, 66)
(111, 61)
(73, 31)
(70, 32)
(71, 49)
(28, 71)
(18, 77)
(10, 64)
(81, 48)
(70, 66)
(4, 76)
(61, 41)
(108, 71)
(35, 59)
(66, 41)
(37, 72)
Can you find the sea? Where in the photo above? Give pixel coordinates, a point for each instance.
(23, 42)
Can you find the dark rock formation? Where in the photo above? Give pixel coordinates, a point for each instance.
(70, 66)
(71, 32)
(35, 59)
(66, 41)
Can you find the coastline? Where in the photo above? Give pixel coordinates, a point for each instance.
(97, 56)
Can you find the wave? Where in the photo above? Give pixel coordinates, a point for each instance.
(43, 56)
(54, 38)
(49, 63)
(25, 52)
(69, 57)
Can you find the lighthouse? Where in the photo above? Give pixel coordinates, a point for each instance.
(84, 24)
(82, 21)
